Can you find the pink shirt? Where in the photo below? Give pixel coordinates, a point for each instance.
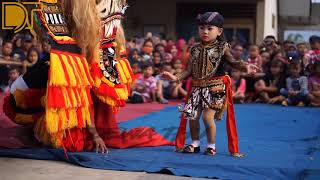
(242, 87)
(312, 56)
(149, 84)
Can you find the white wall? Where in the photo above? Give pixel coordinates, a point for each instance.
(270, 11)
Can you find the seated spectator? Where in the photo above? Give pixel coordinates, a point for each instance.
(21, 53)
(160, 48)
(14, 73)
(238, 86)
(168, 58)
(237, 52)
(156, 60)
(32, 59)
(5, 55)
(287, 45)
(147, 50)
(178, 89)
(314, 54)
(302, 49)
(136, 69)
(254, 57)
(164, 87)
(144, 89)
(296, 90)
(265, 59)
(314, 86)
(134, 57)
(269, 87)
(6, 50)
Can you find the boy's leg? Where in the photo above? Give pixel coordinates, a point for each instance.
(208, 119)
(194, 126)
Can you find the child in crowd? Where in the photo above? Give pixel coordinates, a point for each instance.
(238, 86)
(32, 59)
(314, 54)
(164, 87)
(6, 50)
(178, 89)
(156, 60)
(268, 88)
(314, 86)
(254, 57)
(144, 89)
(296, 90)
(14, 73)
(167, 58)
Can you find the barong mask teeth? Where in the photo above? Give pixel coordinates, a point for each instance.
(111, 13)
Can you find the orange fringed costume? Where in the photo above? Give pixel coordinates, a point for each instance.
(63, 94)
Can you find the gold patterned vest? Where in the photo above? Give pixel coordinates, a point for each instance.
(205, 59)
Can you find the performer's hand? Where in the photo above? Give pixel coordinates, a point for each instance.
(100, 145)
(169, 76)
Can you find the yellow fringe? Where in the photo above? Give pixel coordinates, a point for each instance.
(105, 80)
(126, 70)
(107, 100)
(57, 75)
(121, 73)
(69, 69)
(122, 93)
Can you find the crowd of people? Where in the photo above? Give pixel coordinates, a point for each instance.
(20, 52)
(289, 73)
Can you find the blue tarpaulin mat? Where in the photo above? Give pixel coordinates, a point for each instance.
(279, 143)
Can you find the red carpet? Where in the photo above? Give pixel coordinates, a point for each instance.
(8, 129)
(131, 111)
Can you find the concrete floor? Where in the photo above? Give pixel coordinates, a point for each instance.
(26, 169)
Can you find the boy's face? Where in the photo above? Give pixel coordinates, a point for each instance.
(148, 72)
(295, 70)
(13, 74)
(237, 51)
(275, 70)
(209, 33)
(254, 51)
(167, 68)
(7, 49)
(302, 48)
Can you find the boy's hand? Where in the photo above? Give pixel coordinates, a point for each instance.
(252, 69)
(169, 76)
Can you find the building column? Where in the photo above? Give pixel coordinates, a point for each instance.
(267, 19)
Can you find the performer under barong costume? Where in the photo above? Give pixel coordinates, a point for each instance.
(211, 89)
(70, 97)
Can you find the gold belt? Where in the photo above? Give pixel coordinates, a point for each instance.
(218, 82)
